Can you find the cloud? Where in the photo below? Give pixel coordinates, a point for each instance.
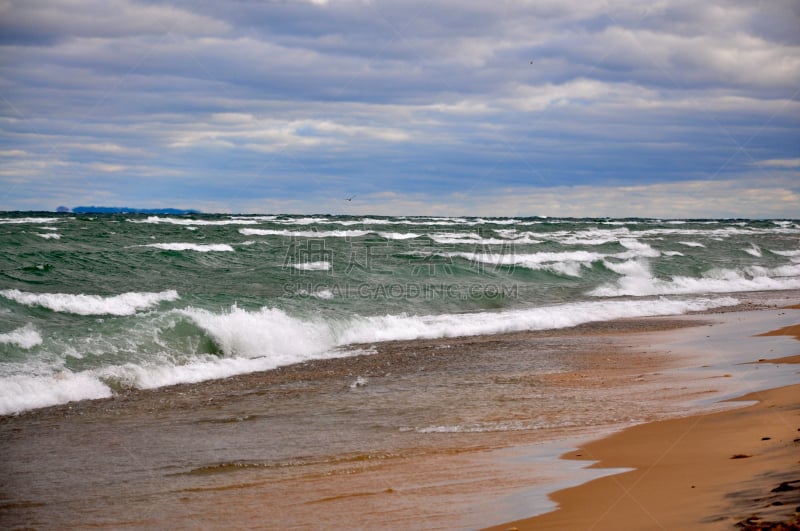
(38, 22)
(244, 130)
(107, 168)
(233, 102)
(779, 163)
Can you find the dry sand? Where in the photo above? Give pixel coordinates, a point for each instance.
(739, 469)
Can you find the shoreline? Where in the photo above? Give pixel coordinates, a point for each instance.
(367, 353)
(371, 363)
(179, 453)
(737, 468)
(710, 471)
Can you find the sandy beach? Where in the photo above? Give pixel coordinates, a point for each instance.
(456, 433)
(735, 469)
(704, 472)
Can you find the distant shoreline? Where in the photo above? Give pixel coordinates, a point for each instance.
(128, 210)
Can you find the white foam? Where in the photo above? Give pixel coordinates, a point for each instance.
(24, 392)
(279, 339)
(34, 221)
(185, 221)
(24, 337)
(266, 333)
(81, 304)
(638, 281)
(508, 234)
(692, 244)
(323, 294)
(395, 327)
(305, 233)
(310, 221)
(753, 251)
(399, 235)
(794, 256)
(313, 266)
(203, 248)
(530, 260)
(636, 248)
(429, 221)
(50, 236)
(593, 236)
(784, 271)
(473, 238)
(268, 338)
(564, 262)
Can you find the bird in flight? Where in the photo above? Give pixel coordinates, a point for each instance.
(350, 198)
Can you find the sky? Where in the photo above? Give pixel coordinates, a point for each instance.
(580, 108)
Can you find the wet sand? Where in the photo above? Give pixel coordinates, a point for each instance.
(737, 469)
(703, 472)
(458, 433)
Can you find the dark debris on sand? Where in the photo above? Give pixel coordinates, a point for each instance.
(776, 514)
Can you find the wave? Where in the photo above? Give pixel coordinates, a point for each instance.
(81, 304)
(794, 256)
(399, 235)
(203, 248)
(50, 236)
(313, 266)
(25, 337)
(185, 221)
(753, 251)
(636, 248)
(268, 338)
(593, 236)
(637, 280)
(305, 233)
(567, 263)
(324, 293)
(564, 262)
(477, 239)
(272, 333)
(266, 333)
(24, 392)
(418, 221)
(34, 221)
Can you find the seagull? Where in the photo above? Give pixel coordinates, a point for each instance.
(349, 198)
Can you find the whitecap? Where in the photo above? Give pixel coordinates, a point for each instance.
(34, 221)
(82, 304)
(192, 222)
(23, 392)
(638, 281)
(25, 337)
(203, 248)
(753, 251)
(313, 266)
(305, 234)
